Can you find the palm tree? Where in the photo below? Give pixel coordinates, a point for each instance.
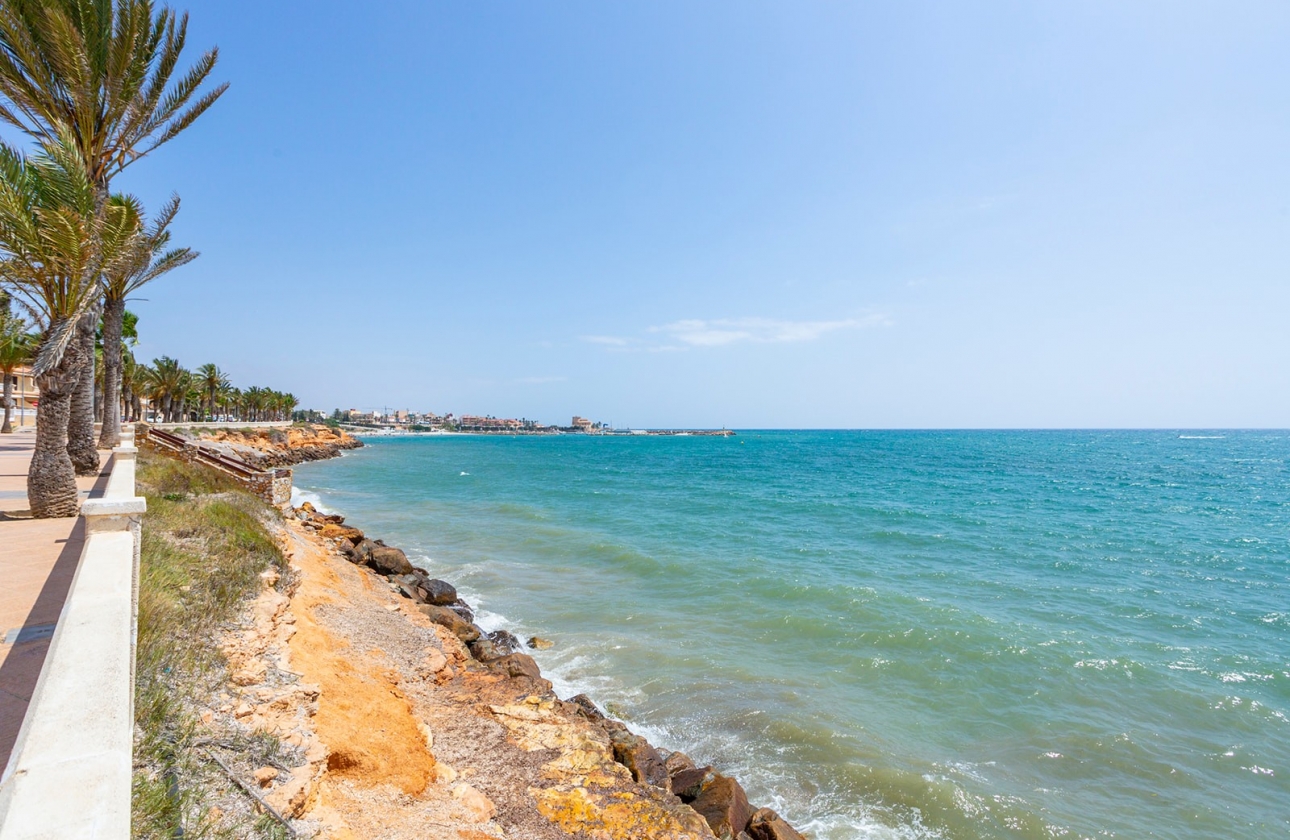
(102, 72)
(232, 401)
(54, 246)
(98, 76)
(165, 383)
(132, 385)
(212, 380)
(15, 349)
(145, 260)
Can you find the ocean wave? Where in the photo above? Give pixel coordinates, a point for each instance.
(299, 497)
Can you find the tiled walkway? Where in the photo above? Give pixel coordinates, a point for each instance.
(38, 559)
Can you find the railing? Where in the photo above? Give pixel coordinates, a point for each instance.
(274, 485)
(69, 774)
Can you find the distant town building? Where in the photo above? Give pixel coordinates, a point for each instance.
(25, 396)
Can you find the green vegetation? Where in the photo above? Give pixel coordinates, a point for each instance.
(205, 542)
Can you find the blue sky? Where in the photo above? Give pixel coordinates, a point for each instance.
(742, 213)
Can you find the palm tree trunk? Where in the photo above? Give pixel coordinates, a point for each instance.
(80, 427)
(8, 402)
(51, 478)
(165, 408)
(113, 318)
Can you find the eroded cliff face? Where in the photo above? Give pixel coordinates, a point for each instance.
(264, 448)
(401, 731)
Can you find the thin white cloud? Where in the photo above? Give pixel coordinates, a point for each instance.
(693, 333)
(724, 331)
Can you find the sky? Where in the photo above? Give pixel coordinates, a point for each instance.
(744, 214)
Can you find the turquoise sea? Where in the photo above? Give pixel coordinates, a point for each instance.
(893, 634)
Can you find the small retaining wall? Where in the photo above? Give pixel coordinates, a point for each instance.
(70, 771)
(274, 486)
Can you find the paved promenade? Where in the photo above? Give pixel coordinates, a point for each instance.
(38, 559)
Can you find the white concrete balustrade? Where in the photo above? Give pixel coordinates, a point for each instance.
(69, 774)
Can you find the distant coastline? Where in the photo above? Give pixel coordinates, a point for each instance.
(362, 431)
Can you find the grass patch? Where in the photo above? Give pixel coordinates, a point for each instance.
(205, 542)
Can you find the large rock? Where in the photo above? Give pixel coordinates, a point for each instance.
(587, 707)
(462, 609)
(765, 824)
(389, 560)
(723, 803)
(504, 641)
(484, 650)
(439, 592)
(688, 783)
(638, 756)
(677, 761)
(341, 532)
(458, 626)
(517, 665)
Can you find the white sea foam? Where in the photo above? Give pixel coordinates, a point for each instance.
(299, 497)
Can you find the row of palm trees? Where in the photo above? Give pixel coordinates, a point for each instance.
(93, 86)
(176, 395)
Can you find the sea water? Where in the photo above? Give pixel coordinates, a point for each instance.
(893, 634)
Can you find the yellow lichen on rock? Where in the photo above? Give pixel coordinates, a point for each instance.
(619, 815)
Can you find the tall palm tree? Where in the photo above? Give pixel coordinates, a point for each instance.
(54, 246)
(15, 349)
(212, 380)
(145, 260)
(132, 385)
(166, 381)
(231, 399)
(100, 76)
(102, 71)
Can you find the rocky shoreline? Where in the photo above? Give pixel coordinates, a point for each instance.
(263, 449)
(685, 800)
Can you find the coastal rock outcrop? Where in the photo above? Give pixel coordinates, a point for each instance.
(765, 824)
(277, 447)
(723, 803)
(640, 758)
(586, 774)
(389, 560)
(458, 626)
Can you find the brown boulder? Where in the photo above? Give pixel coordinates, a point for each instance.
(341, 532)
(587, 707)
(765, 824)
(458, 626)
(723, 803)
(484, 650)
(504, 641)
(517, 665)
(677, 761)
(638, 756)
(439, 592)
(389, 561)
(462, 609)
(688, 784)
(539, 643)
